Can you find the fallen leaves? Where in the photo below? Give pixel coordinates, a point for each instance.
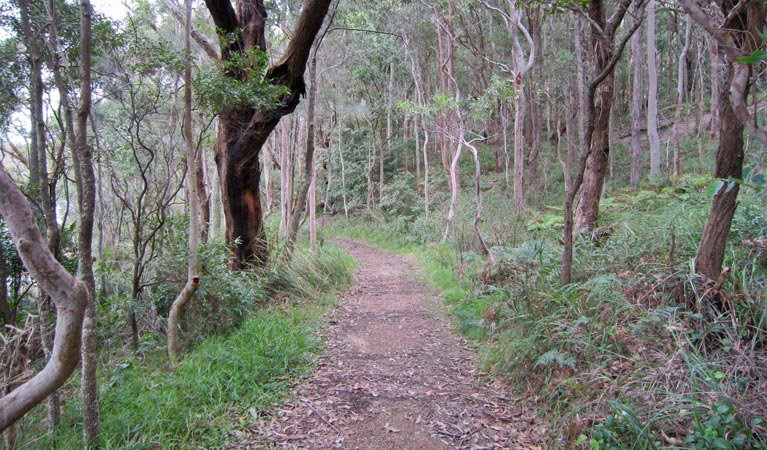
(393, 376)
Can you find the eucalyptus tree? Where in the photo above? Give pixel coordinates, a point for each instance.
(245, 125)
(69, 295)
(523, 59)
(193, 280)
(604, 32)
(737, 28)
(593, 162)
(652, 88)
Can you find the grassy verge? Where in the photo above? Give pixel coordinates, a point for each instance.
(637, 352)
(224, 382)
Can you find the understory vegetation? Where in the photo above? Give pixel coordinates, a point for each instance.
(638, 352)
(245, 354)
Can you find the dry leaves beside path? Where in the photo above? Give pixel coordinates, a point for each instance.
(394, 376)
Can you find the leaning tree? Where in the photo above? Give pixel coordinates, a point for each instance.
(243, 128)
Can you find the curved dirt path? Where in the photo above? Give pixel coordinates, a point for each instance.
(394, 376)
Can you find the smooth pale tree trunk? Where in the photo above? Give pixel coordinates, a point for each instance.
(309, 158)
(680, 90)
(313, 207)
(506, 155)
(385, 141)
(478, 198)
(285, 180)
(69, 295)
(193, 280)
(713, 50)
(343, 170)
(637, 99)
(580, 85)
(417, 154)
(425, 172)
(652, 94)
(238, 146)
(523, 62)
(453, 186)
(215, 201)
(268, 188)
(43, 190)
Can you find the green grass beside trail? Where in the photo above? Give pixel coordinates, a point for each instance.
(224, 383)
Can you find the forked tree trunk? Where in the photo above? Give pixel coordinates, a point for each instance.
(603, 49)
(595, 113)
(242, 130)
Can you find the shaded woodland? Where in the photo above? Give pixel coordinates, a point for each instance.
(583, 182)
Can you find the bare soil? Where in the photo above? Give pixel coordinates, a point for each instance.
(395, 376)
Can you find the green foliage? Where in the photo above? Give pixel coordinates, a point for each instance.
(194, 405)
(720, 427)
(225, 382)
(399, 198)
(240, 82)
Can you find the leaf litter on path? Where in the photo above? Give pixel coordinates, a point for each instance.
(394, 376)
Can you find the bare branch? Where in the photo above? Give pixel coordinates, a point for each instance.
(206, 45)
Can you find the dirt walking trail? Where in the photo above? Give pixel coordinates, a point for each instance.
(394, 376)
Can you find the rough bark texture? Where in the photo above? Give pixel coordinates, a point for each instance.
(592, 105)
(69, 295)
(603, 50)
(86, 189)
(738, 36)
(242, 130)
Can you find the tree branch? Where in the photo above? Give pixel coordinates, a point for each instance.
(68, 294)
(204, 44)
(223, 15)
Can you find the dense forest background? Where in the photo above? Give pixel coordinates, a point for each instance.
(582, 180)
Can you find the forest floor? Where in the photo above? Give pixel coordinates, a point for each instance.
(394, 375)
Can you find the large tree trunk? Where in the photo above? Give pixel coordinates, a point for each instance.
(243, 130)
(596, 165)
(729, 163)
(742, 35)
